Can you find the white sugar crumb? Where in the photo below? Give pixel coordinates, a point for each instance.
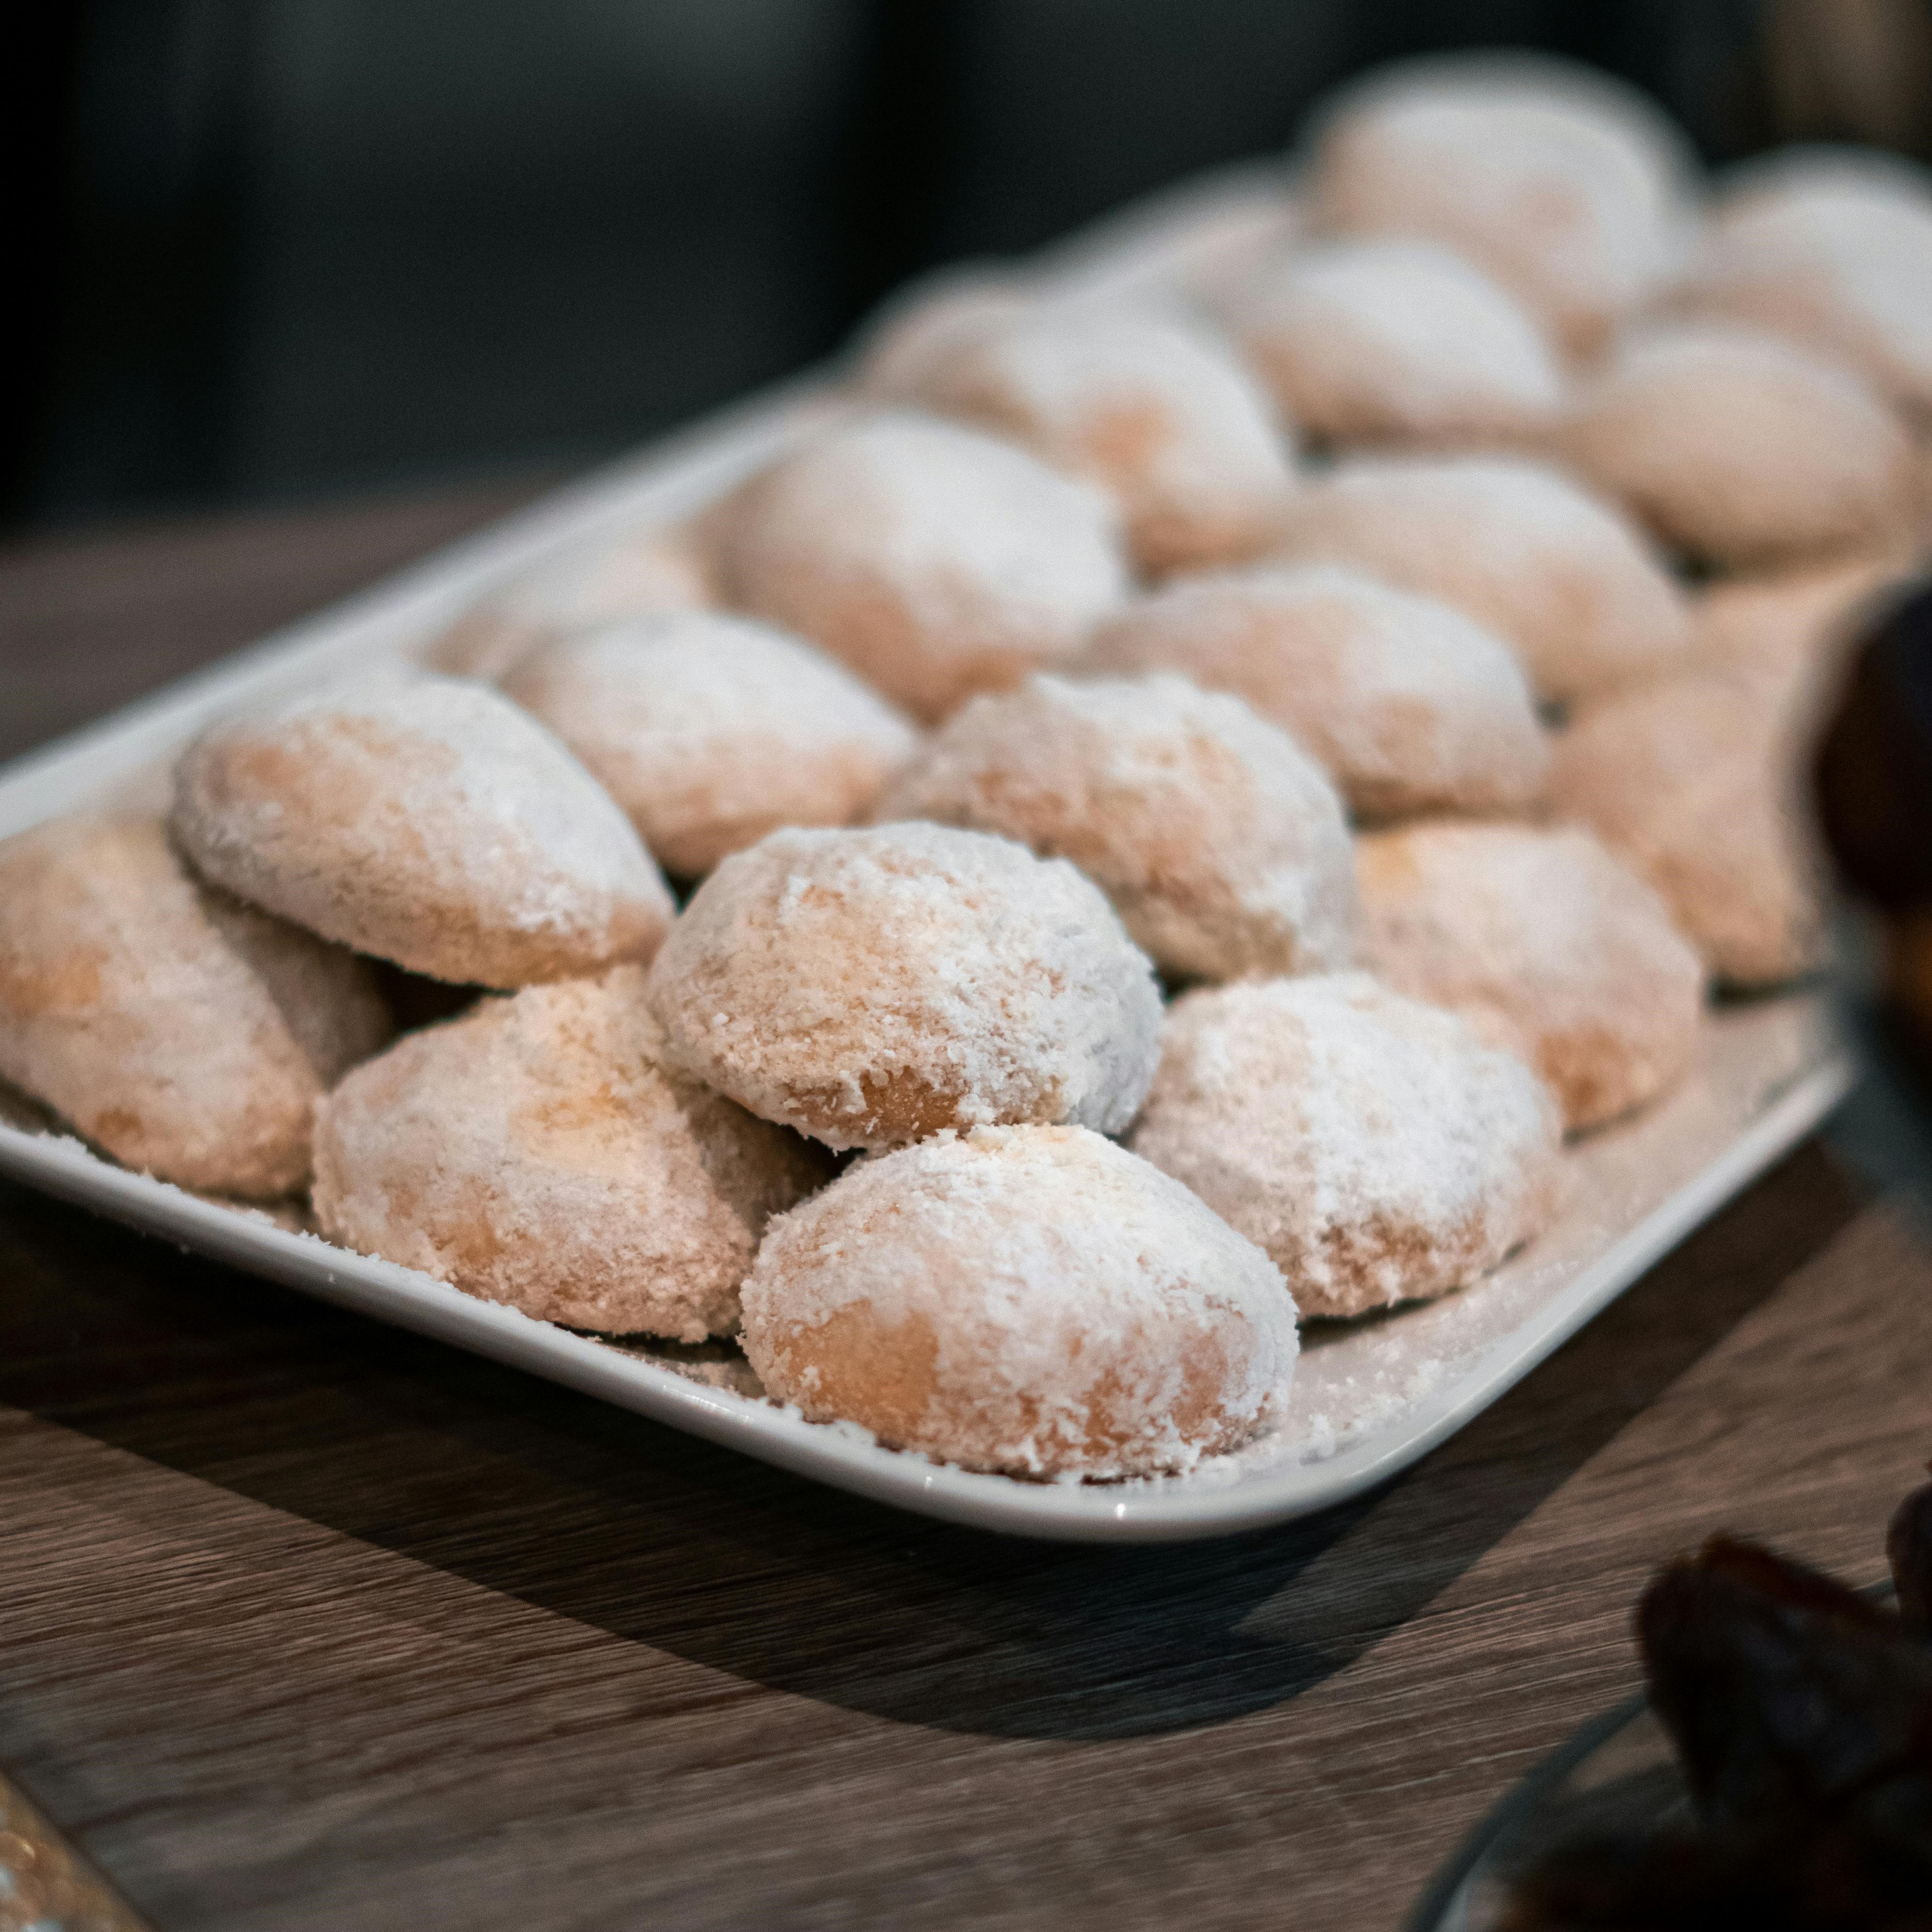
(1410, 705)
(539, 1152)
(1375, 1147)
(711, 730)
(932, 559)
(1221, 844)
(1583, 599)
(1152, 408)
(424, 819)
(1398, 340)
(1548, 944)
(1029, 1299)
(868, 987)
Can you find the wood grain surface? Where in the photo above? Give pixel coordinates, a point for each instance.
(306, 1622)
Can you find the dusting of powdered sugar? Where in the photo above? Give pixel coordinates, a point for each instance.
(1028, 1298)
(1221, 843)
(1373, 1146)
(868, 986)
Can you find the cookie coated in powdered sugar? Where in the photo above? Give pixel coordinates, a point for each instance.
(1409, 705)
(1374, 1147)
(1397, 340)
(1741, 448)
(425, 820)
(1030, 1299)
(1222, 845)
(1833, 246)
(711, 730)
(934, 560)
(871, 987)
(539, 1151)
(587, 584)
(1564, 185)
(1152, 408)
(1693, 782)
(188, 1034)
(1548, 944)
(1566, 579)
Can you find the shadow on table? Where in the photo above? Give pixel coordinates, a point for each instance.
(590, 1512)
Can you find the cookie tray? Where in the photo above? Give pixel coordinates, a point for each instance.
(1369, 1398)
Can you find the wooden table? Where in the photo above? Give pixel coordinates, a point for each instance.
(306, 1623)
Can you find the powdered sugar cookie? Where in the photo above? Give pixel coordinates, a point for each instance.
(1787, 625)
(1563, 183)
(917, 327)
(1029, 1299)
(935, 560)
(1832, 246)
(1150, 408)
(601, 582)
(1409, 705)
(539, 1152)
(1739, 448)
(1692, 781)
(1374, 1147)
(711, 730)
(869, 988)
(425, 820)
(1548, 944)
(1221, 844)
(1400, 341)
(1564, 579)
(188, 1035)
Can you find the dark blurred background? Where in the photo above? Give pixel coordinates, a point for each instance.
(271, 250)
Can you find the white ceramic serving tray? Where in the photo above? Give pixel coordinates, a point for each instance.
(1369, 1399)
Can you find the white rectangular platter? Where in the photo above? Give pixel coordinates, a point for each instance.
(1370, 1398)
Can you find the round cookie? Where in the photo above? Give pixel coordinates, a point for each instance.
(1398, 341)
(188, 1035)
(603, 583)
(869, 988)
(1374, 1147)
(1788, 625)
(1692, 781)
(1029, 1299)
(1150, 408)
(1832, 246)
(1566, 186)
(711, 730)
(425, 820)
(1222, 846)
(934, 560)
(1410, 706)
(1564, 579)
(1738, 447)
(539, 1151)
(918, 326)
(1548, 945)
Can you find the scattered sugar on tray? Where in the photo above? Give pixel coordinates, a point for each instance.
(870, 986)
(1033, 1299)
(1222, 845)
